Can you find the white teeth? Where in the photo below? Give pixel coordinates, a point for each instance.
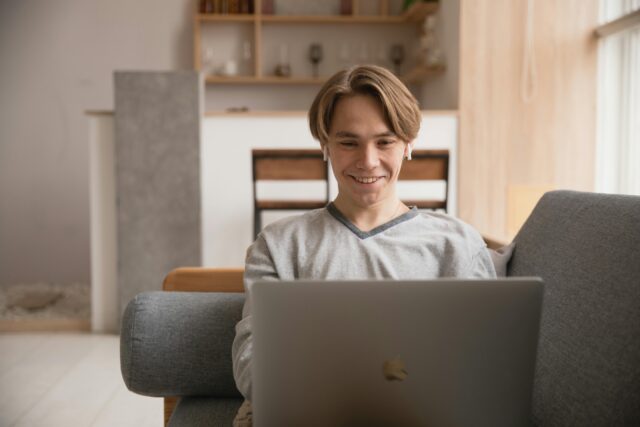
(364, 180)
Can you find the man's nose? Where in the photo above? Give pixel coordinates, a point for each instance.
(369, 157)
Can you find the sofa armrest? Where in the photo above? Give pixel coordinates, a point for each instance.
(179, 343)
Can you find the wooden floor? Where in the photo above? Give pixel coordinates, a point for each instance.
(68, 379)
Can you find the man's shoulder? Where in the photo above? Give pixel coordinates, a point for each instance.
(295, 224)
(445, 223)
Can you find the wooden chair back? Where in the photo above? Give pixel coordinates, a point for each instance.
(287, 164)
(291, 164)
(427, 165)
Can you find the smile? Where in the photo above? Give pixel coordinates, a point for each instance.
(367, 179)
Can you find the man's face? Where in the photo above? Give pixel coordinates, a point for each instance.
(365, 154)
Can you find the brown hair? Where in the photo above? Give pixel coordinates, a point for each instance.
(401, 110)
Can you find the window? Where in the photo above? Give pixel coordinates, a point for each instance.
(618, 140)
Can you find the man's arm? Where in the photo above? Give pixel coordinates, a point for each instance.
(258, 266)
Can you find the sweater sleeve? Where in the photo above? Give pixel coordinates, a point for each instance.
(258, 266)
(481, 266)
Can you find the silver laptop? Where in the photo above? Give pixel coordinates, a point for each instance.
(432, 353)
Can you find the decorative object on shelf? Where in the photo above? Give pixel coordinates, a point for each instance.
(396, 55)
(206, 6)
(239, 6)
(363, 53)
(308, 8)
(283, 69)
(224, 7)
(246, 56)
(430, 54)
(417, 10)
(315, 56)
(208, 60)
(408, 3)
(229, 68)
(346, 7)
(246, 6)
(268, 7)
(344, 55)
(242, 109)
(381, 55)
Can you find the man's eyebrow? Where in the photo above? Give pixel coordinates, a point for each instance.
(345, 134)
(389, 133)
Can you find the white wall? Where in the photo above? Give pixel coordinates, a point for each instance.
(57, 60)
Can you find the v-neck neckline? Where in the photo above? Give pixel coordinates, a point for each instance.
(413, 211)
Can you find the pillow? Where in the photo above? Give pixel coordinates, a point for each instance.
(501, 257)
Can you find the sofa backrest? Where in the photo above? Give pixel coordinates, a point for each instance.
(586, 247)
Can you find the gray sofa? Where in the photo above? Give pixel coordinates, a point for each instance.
(585, 246)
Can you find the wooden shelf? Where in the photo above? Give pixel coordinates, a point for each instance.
(413, 16)
(266, 80)
(415, 75)
(217, 17)
(282, 19)
(416, 13)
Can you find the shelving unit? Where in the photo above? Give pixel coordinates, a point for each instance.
(420, 74)
(413, 16)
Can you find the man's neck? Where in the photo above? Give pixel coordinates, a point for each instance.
(366, 218)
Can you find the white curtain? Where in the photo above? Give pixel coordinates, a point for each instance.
(618, 155)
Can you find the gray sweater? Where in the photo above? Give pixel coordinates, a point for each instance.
(323, 244)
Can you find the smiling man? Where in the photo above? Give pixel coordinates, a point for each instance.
(366, 157)
(366, 121)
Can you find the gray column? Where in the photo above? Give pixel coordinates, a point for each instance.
(157, 144)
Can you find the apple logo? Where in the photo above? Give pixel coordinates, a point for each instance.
(393, 370)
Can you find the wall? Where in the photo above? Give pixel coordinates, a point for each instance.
(512, 151)
(442, 91)
(57, 60)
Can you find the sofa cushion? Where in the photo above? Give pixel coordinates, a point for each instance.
(586, 247)
(204, 412)
(501, 258)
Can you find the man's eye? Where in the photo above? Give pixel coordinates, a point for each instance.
(385, 142)
(347, 143)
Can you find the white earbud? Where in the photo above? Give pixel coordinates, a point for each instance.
(409, 152)
(325, 153)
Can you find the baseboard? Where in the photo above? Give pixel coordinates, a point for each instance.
(45, 325)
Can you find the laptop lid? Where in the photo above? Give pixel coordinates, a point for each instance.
(443, 352)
